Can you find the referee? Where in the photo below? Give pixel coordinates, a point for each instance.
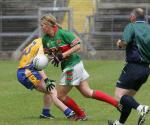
(136, 40)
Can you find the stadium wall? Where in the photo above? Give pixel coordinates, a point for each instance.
(99, 55)
(106, 55)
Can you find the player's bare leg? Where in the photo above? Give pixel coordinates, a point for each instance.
(126, 97)
(119, 92)
(47, 102)
(62, 91)
(53, 93)
(86, 91)
(57, 102)
(62, 94)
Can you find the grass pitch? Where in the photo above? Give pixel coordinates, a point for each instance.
(19, 106)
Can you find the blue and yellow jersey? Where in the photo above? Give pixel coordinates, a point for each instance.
(36, 47)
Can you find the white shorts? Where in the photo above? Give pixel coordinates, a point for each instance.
(74, 75)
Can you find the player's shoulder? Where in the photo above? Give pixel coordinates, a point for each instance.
(129, 27)
(64, 31)
(129, 24)
(38, 39)
(45, 37)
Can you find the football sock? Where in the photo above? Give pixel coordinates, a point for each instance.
(45, 111)
(67, 112)
(99, 95)
(74, 106)
(125, 114)
(129, 101)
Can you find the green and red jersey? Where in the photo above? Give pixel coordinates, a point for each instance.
(63, 41)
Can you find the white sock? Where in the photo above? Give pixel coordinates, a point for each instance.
(139, 108)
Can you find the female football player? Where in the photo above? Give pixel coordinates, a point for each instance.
(31, 78)
(66, 46)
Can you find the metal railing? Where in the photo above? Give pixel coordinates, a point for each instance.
(7, 31)
(111, 31)
(37, 31)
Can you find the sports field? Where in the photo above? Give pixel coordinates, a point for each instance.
(19, 106)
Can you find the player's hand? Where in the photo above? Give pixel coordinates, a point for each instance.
(56, 59)
(50, 84)
(118, 43)
(121, 44)
(47, 51)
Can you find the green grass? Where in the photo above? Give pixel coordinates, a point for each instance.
(19, 106)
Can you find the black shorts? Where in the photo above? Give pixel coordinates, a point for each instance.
(133, 76)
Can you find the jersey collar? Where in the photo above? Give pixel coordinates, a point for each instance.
(140, 21)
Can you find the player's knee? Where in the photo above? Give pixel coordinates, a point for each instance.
(53, 95)
(118, 96)
(61, 96)
(87, 94)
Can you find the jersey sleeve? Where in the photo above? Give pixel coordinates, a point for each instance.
(71, 38)
(128, 33)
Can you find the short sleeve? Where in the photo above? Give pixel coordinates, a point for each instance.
(128, 33)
